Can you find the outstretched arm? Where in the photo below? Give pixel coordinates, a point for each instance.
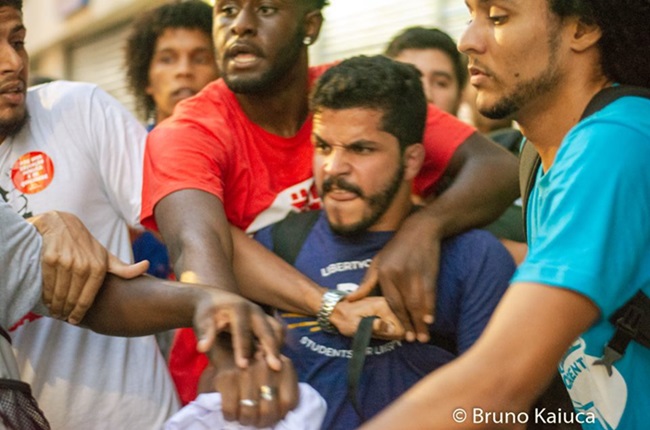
(508, 367)
(483, 184)
(195, 229)
(146, 305)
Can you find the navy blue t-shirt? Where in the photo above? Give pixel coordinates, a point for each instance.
(474, 273)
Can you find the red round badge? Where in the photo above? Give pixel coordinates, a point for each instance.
(32, 172)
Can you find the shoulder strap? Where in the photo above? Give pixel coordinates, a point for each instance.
(4, 334)
(529, 160)
(632, 323)
(290, 234)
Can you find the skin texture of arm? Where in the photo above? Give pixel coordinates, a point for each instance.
(508, 367)
(196, 231)
(483, 184)
(146, 305)
(266, 278)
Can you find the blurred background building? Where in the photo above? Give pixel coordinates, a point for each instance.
(83, 40)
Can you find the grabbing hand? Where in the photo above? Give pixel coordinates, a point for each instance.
(407, 272)
(218, 312)
(74, 265)
(347, 315)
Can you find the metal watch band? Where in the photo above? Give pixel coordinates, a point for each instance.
(329, 301)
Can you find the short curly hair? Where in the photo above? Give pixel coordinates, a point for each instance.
(141, 43)
(378, 83)
(625, 41)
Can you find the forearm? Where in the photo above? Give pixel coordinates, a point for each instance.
(485, 183)
(198, 240)
(508, 367)
(265, 278)
(141, 306)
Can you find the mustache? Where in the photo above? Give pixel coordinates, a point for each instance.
(341, 184)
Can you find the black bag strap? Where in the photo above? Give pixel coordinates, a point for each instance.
(4, 334)
(529, 160)
(632, 322)
(360, 343)
(289, 235)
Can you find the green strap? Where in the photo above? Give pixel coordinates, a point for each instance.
(360, 343)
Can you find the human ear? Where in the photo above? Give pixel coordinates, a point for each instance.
(313, 23)
(584, 35)
(413, 159)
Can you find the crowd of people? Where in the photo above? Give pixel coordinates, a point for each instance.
(337, 248)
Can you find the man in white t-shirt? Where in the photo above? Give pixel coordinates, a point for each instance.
(70, 147)
(119, 308)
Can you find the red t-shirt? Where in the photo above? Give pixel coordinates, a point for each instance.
(209, 144)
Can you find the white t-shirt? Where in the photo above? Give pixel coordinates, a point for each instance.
(81, 152)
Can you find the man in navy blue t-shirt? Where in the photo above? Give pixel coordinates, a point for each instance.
(369, 115)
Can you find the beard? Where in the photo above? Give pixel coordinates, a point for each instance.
(531, 89)
(288, 56)
(10, 127)
(378, 203)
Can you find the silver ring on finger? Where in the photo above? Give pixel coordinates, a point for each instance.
(248, 402)
(268, 393)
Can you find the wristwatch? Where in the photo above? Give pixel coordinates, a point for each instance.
(329, 301)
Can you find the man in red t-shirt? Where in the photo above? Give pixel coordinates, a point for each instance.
(240, 153)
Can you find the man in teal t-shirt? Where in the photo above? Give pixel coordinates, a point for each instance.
(543, 61)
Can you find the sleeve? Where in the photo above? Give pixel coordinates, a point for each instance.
(443, 134)
(265, 237)
(119, 140)
(589, 219)
(20, 277)
(487, 271)
(180, 155)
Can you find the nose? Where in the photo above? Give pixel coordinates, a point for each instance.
(336, 162)
(245, 23)
(10, 59)
(471, 40)
(184, 66)
(428, 91)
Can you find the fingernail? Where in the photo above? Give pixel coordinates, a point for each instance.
(410, 336)
(423, 338)
(428, 319)
(73, 321)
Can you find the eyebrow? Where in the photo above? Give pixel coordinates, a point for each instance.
(443, 74)
(345, 145)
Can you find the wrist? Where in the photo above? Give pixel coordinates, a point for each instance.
(328, 302)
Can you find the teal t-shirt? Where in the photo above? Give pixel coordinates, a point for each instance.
(589, 229)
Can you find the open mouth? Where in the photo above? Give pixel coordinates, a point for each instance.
(243, 54)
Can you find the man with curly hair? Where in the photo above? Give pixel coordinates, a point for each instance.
(544, 61)
(170, 57)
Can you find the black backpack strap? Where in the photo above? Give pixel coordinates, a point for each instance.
(290, 234)
(529, 163)
(529, 160)
(4, 334)
(632, 322)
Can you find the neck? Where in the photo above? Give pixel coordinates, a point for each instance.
(547, 120)
(283, 108)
